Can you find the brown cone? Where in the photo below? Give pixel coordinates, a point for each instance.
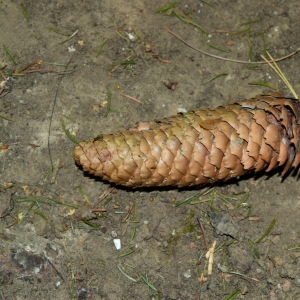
(199, 147)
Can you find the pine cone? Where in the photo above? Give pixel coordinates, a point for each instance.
(200, 147)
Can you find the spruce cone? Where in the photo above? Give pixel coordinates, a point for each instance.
(199, 147)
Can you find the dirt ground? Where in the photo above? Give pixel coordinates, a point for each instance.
(59, 226)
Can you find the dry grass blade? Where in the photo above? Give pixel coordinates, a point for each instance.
(70, 37)
(132, 98)
(125, 274)
(276, 68)
(229, 59)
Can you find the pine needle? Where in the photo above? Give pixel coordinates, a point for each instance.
(266, 233)
(276, 68)
(67, 132)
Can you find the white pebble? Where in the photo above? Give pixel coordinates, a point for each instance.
(71, 49)
(114, 234)
(187, 274)
(117, 243)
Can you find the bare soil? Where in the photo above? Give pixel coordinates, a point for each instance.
(58, 226)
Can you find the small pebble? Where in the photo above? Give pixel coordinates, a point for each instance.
(71, 49)
(114, 234)
(297, 282)
(286, 286)
(187, 274)
(117, 243)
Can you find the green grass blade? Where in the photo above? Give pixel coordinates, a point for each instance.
(262, 83)
(267, 231)
(164, 9)
(218, 48)
(215, 77)
(101, 47)
(253, 248)
(9, 54)
(67, 132)
(6, 118)
(24, 11)
(233, 295)
(150, 285)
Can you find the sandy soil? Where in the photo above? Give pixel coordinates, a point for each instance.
(58, 226)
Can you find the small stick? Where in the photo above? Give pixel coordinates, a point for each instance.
(210, 256)
(132, 98)
(45, 71)
(99, 210)
(37, 63)
(203, 233)
(104, 195)
(128, 214)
